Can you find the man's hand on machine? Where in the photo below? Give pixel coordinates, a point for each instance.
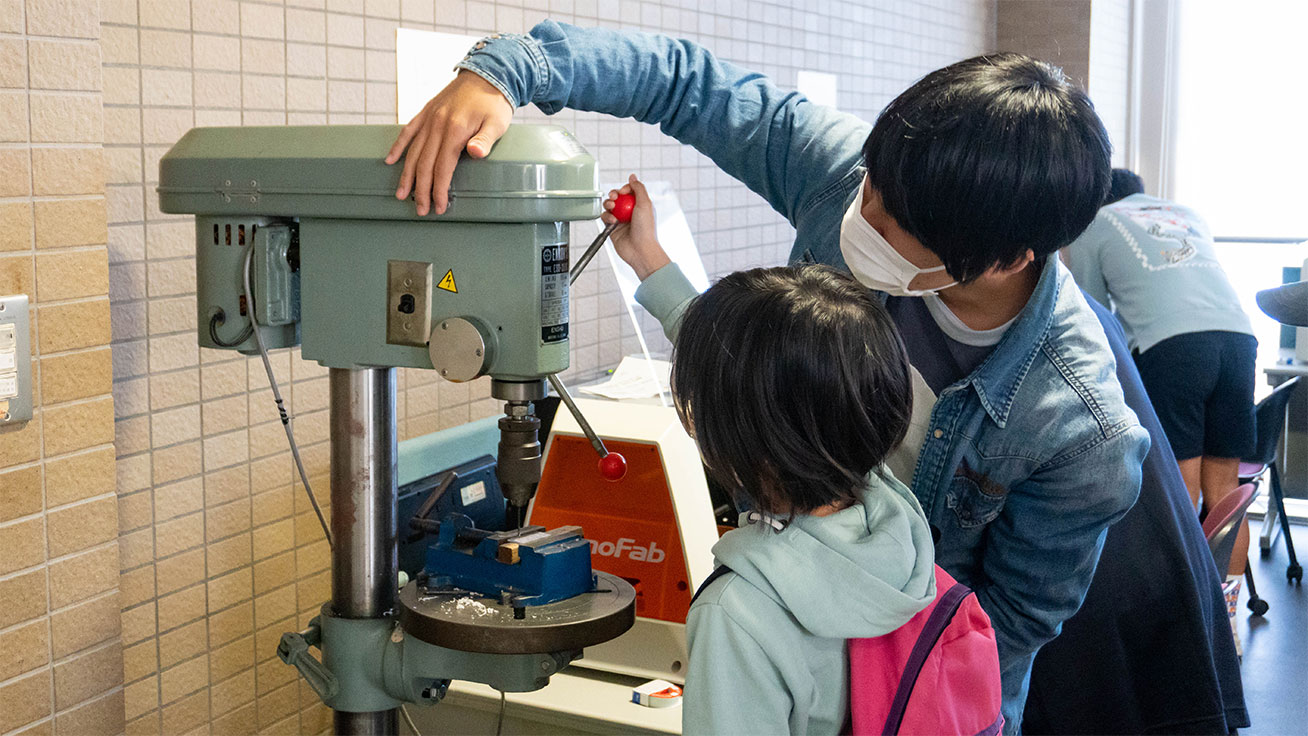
(638, 242)
(469, 112)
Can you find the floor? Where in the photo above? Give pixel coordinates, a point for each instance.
(1275, 667)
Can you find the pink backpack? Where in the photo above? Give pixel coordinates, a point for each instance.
(936, 674)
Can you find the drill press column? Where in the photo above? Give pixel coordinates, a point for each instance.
(363, 472)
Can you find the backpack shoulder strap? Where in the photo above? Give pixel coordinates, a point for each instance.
(945, 607)
(718, 572)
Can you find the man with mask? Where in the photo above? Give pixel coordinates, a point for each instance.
(951, 205)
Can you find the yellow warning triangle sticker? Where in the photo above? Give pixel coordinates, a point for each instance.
(447, 283)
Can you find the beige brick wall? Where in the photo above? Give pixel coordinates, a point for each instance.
(220, 552)
(61, 659)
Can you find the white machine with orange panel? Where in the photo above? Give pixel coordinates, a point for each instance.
(656, 527)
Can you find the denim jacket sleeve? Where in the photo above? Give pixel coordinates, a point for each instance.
(779, 144)
(1046, 542)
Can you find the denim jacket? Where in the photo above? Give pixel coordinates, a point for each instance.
(1026, 462)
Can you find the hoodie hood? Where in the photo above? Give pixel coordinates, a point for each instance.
(863, 571)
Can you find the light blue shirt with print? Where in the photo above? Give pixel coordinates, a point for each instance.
(1153, 262)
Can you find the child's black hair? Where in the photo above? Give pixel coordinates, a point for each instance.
(795, 384)
(1125, 183)
(988, 157)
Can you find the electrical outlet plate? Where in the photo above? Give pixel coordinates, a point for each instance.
(15, 361)
(408, 303)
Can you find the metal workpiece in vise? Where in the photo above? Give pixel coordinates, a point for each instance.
(301, 241)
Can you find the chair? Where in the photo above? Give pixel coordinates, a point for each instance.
(1222, 524)
(1270, 421)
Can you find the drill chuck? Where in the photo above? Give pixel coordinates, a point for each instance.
(519, 455)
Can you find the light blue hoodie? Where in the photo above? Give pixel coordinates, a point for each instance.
(767, 643)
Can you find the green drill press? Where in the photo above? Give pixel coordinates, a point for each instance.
(300, 241)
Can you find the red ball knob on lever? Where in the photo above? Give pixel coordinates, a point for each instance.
(623, 204)
(622, 207)
(613, 467)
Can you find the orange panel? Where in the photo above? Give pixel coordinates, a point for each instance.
(631, 526)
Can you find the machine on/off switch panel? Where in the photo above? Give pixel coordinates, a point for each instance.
(408, 303)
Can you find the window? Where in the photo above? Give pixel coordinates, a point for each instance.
(1241, 155)
(1240, 151)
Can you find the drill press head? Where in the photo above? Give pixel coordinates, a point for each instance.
(361, 280)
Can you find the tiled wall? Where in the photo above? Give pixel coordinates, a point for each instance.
(876, 49)
(1110, 71)
(220, 554)
(60, 656)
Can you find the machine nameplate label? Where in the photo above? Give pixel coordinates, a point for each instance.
(554, 293)
(474, 493)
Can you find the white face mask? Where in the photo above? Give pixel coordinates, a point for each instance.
(874, 261)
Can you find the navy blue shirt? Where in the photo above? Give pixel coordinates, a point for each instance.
(940, 359)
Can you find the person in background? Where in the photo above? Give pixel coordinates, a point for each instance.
(1153, 262)
(950, 207)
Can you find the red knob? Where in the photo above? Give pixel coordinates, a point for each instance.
(613, 467)
(622, 207)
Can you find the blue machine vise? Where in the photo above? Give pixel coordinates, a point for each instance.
(524, 567)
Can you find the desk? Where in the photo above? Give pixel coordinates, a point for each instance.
(1286, 368)
(577, 701)
(1292, 452)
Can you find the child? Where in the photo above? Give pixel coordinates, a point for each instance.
(795, 385)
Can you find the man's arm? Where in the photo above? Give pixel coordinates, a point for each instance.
(1042, 550)
(779, 144)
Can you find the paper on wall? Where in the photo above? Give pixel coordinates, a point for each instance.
(635, 378)
(818, 87)
(424, 64)
(674, 235)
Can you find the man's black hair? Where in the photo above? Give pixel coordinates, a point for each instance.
(988, 157)
(1125, 183)
(794, 383)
